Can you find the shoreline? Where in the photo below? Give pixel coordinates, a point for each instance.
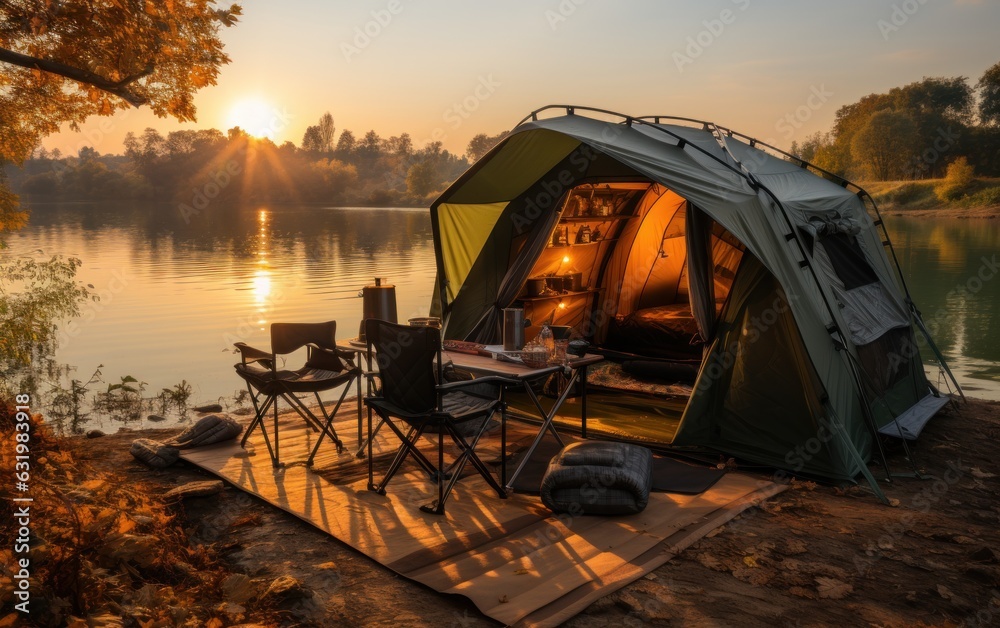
(986, 213)
(815, 553)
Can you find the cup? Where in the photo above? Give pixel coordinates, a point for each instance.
(559, 354)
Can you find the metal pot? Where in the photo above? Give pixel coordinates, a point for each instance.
(555, 283)
(535, 286)
(573, 282)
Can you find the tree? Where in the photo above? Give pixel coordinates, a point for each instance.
(65, 61)
(326, 132)
(885, 144)
(312, 140)
(481, 144)
(346, 144)
(421, 178)
(371, 144)
(989, 96)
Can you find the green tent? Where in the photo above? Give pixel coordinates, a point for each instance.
(693, 246)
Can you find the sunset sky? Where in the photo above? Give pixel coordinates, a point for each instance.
(449, 70)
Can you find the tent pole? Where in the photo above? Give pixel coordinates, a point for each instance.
(935, 350)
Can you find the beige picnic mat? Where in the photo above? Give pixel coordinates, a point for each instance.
(516, 561)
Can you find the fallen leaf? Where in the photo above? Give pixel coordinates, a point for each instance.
(803, 592)
(981, 475)
(750, 561)
(521, 572)
(756, 577)
(710, 562)
(794, 547)
(945, 592)
(894, 502)
(832, 589)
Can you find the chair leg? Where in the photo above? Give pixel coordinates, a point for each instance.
(328, 426)
(371, 437)
(276, 460)
(467, 454)
(437, 508)
(405, 449)
(259, 422)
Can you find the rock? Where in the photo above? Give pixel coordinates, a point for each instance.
(95, 434)
(208, 430)
(156, 418)
(202, 488)
(208, 407)
(154, 453)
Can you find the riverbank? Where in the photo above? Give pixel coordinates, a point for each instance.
(814, 555)
(919, 199)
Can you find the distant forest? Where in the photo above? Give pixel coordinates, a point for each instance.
(196, 168)
(909, 133)
(913, 132)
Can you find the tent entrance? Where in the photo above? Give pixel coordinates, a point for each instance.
(654, 274)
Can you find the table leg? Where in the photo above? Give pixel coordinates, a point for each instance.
(583, 402)
(503, 436)
(547, 425)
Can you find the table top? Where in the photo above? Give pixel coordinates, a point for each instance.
(483, 365)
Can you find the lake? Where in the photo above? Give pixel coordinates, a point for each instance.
(176, 294)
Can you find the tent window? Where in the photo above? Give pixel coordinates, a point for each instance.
(849, 261)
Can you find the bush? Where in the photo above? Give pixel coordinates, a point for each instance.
(983, 198)
(960, 175)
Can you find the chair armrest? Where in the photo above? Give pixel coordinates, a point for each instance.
(250, 354)
(490, 379)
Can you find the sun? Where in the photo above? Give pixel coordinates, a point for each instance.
(255, 116)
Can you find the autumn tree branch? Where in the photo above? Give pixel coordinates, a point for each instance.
(116, 88)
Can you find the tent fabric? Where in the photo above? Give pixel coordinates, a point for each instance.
(771, 218)
(701, 286)
(463, 230)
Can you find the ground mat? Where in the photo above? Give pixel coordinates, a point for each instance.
(514, 560)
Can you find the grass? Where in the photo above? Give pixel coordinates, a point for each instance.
(913, 195)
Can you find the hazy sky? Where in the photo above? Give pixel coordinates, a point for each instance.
(447, 69)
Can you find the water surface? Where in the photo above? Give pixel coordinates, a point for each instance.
(176, 295)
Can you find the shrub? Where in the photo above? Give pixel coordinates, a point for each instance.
(983, 198)
(960, 174)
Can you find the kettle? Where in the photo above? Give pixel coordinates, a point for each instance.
(513, 328)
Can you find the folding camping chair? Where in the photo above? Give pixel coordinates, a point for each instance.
(325, 368)
(410, 369)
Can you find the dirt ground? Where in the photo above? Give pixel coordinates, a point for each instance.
(813, 555)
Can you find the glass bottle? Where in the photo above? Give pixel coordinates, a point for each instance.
(546, 339)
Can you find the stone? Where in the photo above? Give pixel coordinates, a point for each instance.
(154, 453)
(203, 488)
(156, 418)
(208, 407)
(95, 434)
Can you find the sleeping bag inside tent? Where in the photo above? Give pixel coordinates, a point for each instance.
(743, 304)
